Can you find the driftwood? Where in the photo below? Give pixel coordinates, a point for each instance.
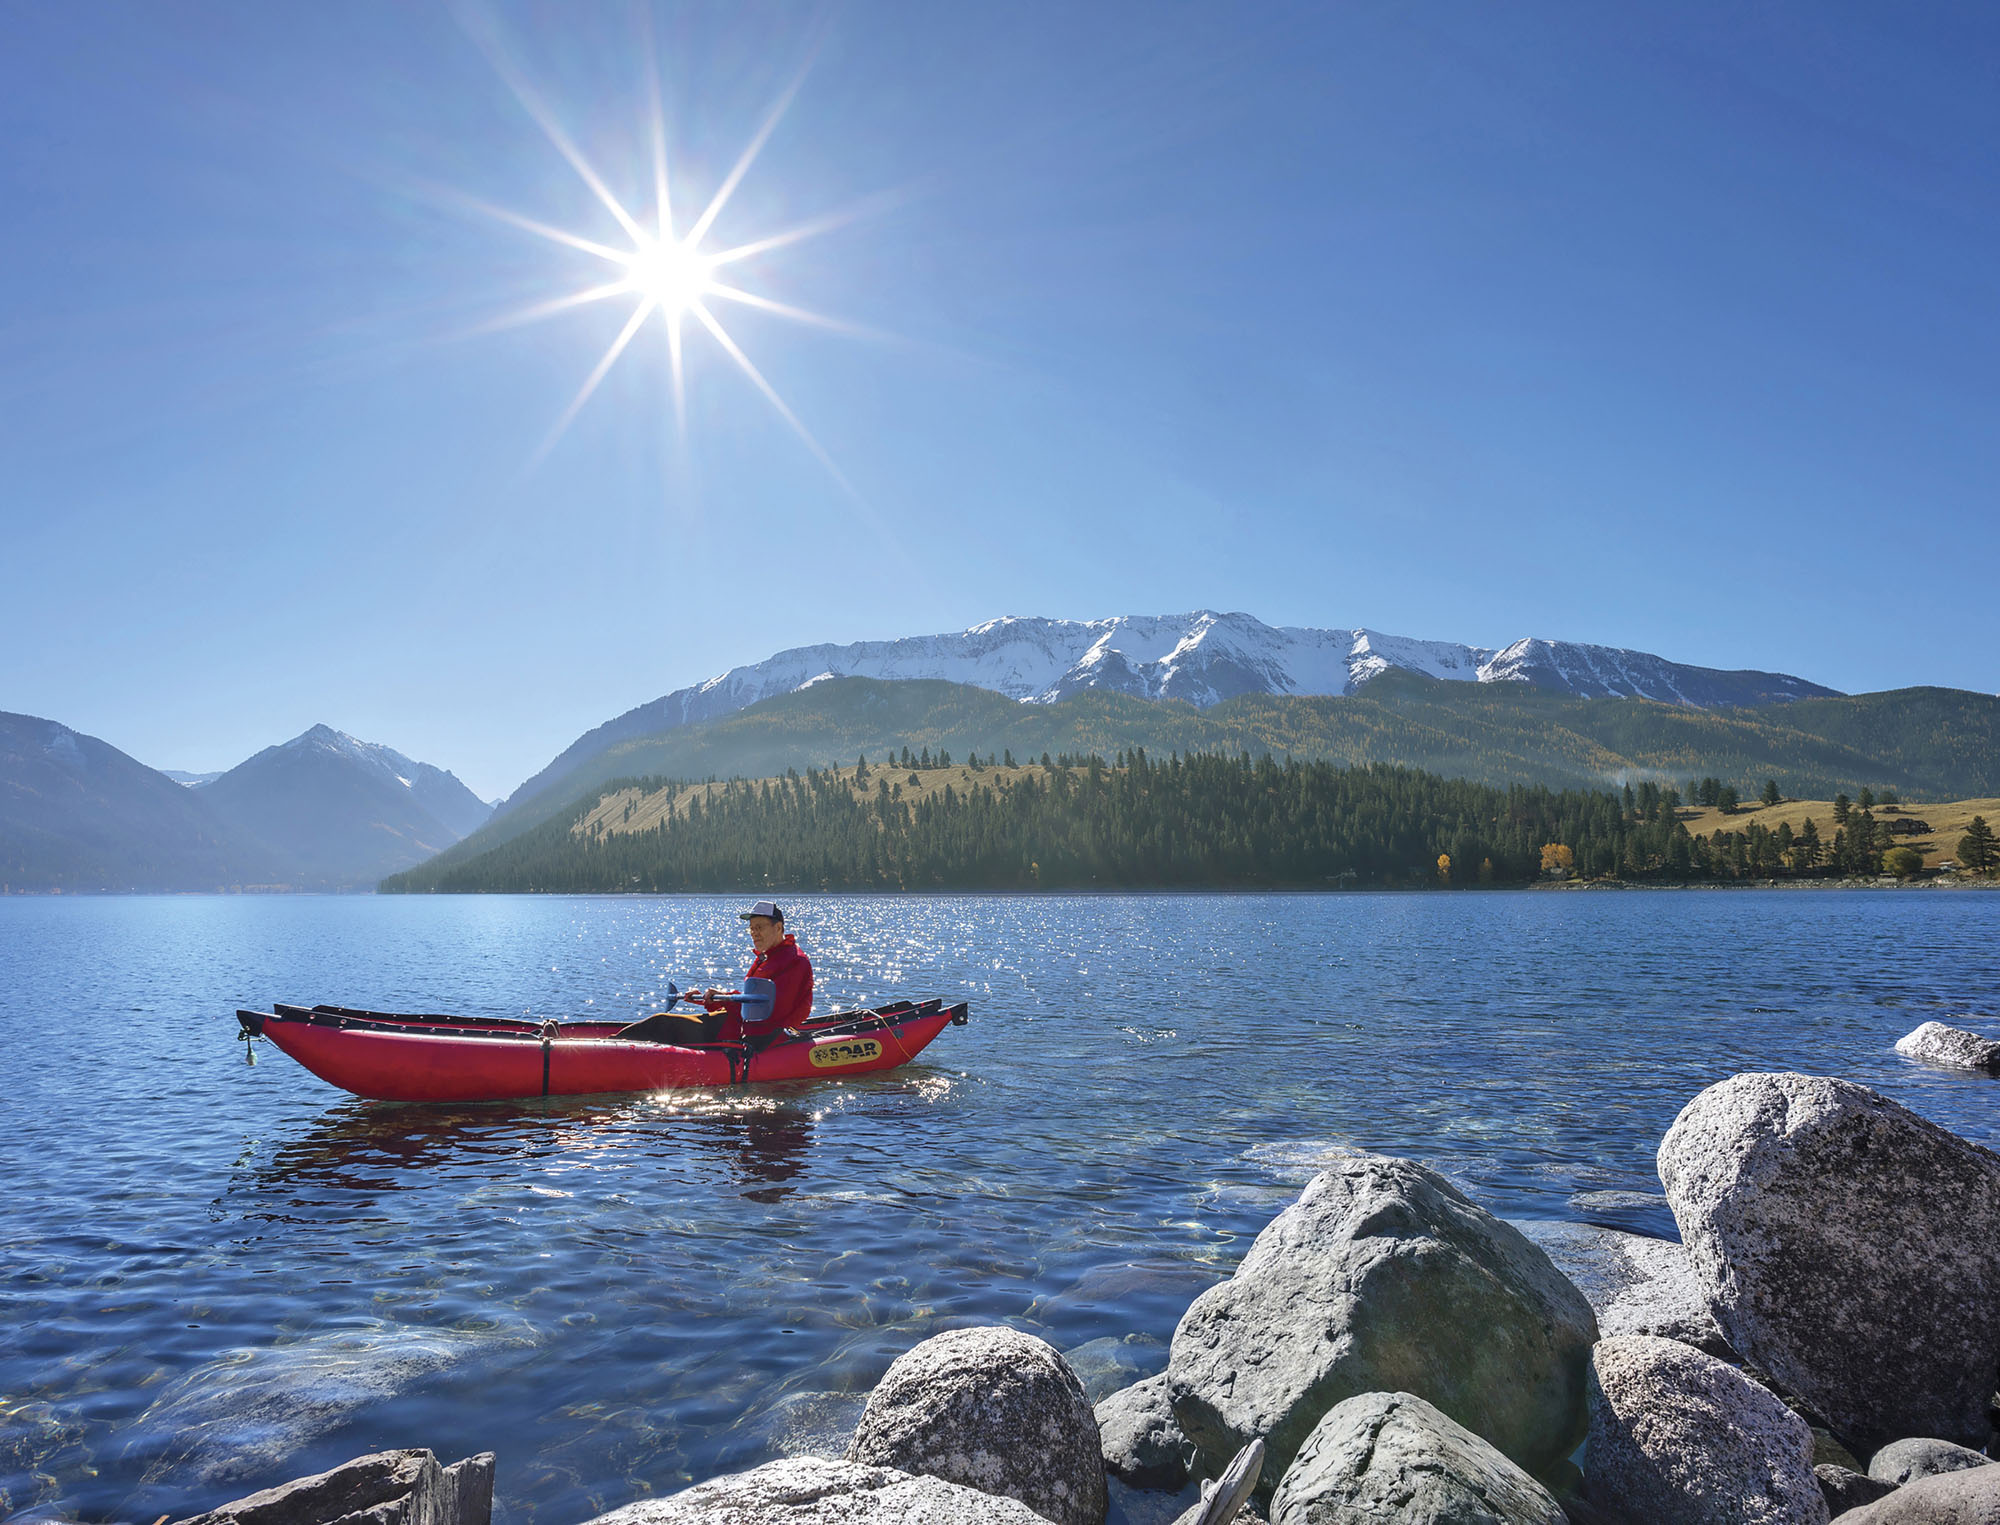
(1233, 1487)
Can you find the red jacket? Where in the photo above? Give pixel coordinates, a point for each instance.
(792, 972)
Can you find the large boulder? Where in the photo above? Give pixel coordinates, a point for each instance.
(992, 1409)
(809, 1490)
(1383, 1277)
(1907, 1461)
(1140, 1439)
(1848, 1248)
(1680, 1438)
(385, 1488)
(1392, 1456)
(1934, 1043)
(1635, 1285)
(1971, 1497)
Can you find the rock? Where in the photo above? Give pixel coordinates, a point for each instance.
(1383, 1277)
(1635, 1285)
(1843, 1488)
(1847, 1247)
(1679, 1438)
(992, 1409)
(1934, 1043)
(1391, 1456)
(1141, 1442)
(1971, 1497)
(809, 1490)
(1104, 1366)
(386, 1488)
(1905, 1461)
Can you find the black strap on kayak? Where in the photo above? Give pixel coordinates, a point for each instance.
(549, 1029)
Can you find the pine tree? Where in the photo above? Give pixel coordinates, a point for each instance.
(1976, 849)
(1770, 796)
(1841, 806)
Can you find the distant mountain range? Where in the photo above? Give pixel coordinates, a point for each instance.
(322, 811)
(1203, 658)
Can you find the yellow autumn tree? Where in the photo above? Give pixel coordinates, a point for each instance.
(1444, 868)
(1557, 859)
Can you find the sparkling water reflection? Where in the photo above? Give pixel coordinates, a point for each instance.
(218, 1276)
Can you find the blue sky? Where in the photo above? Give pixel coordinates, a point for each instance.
(1672, 329)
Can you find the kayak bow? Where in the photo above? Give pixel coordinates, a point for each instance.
(390, 1056)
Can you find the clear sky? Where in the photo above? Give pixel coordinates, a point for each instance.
(1665, 327)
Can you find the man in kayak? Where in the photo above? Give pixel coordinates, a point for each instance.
(778, 960)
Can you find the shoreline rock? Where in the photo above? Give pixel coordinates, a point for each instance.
(1848, 1248)
(811, 1490)
(989, 1408)
(1383, 1277)
(1952, 1047)
(385, 1488)
(1679, 1438)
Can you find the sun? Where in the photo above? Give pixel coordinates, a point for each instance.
(667, 274)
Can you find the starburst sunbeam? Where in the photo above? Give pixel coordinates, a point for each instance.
(666, 273)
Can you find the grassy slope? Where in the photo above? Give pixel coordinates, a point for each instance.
(1947, 820)
(1926, 743)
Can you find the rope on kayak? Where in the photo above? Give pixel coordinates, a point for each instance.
(549, 1030)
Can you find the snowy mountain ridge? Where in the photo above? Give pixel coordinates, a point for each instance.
(1201, 657)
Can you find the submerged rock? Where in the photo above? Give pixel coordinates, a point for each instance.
(1679, 1438)
(1906, 1461)
(1114, 1362)
(810, 1490)
(1383, 1277)
(386, 1488)
(1635, 1285)
(1141, 1442)
(1934, 1043)
(992, 1409)
(1847, 1247)
(1971, 1497)
(1392, 1456)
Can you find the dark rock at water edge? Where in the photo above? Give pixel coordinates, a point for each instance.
(1971, 1497)
(992, 1409)
(810, 1490)
(1679, 1438)
(1848, 1248)
(1843, 1488)
(1392, 1456)
(387, 1488)
(1384, 1277)
(1907, 1461)
(1140, 1439)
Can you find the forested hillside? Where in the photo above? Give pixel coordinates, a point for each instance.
(1925, 743)
(1202, 821)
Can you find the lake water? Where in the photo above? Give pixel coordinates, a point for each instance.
(217, 1276)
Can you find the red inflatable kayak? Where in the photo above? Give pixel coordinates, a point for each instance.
(386, 1056)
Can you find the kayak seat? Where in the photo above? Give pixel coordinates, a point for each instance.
(684, 1028)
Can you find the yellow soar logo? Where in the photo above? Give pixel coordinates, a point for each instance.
(845, 1051)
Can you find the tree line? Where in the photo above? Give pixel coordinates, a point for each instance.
(1207, 820)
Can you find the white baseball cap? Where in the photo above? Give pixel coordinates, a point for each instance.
(761, 908)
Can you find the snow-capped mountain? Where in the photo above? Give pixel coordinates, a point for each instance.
(344, 811)
(1202, 657)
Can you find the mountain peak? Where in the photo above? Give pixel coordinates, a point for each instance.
(1202, 657)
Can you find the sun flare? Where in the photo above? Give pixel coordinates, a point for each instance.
(670, 275)
(664, 273)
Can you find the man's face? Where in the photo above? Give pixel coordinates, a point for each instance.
(765, 934)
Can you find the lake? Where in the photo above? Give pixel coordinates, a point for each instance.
(219, 1276)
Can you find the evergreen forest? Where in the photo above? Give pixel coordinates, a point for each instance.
(1202, 821)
